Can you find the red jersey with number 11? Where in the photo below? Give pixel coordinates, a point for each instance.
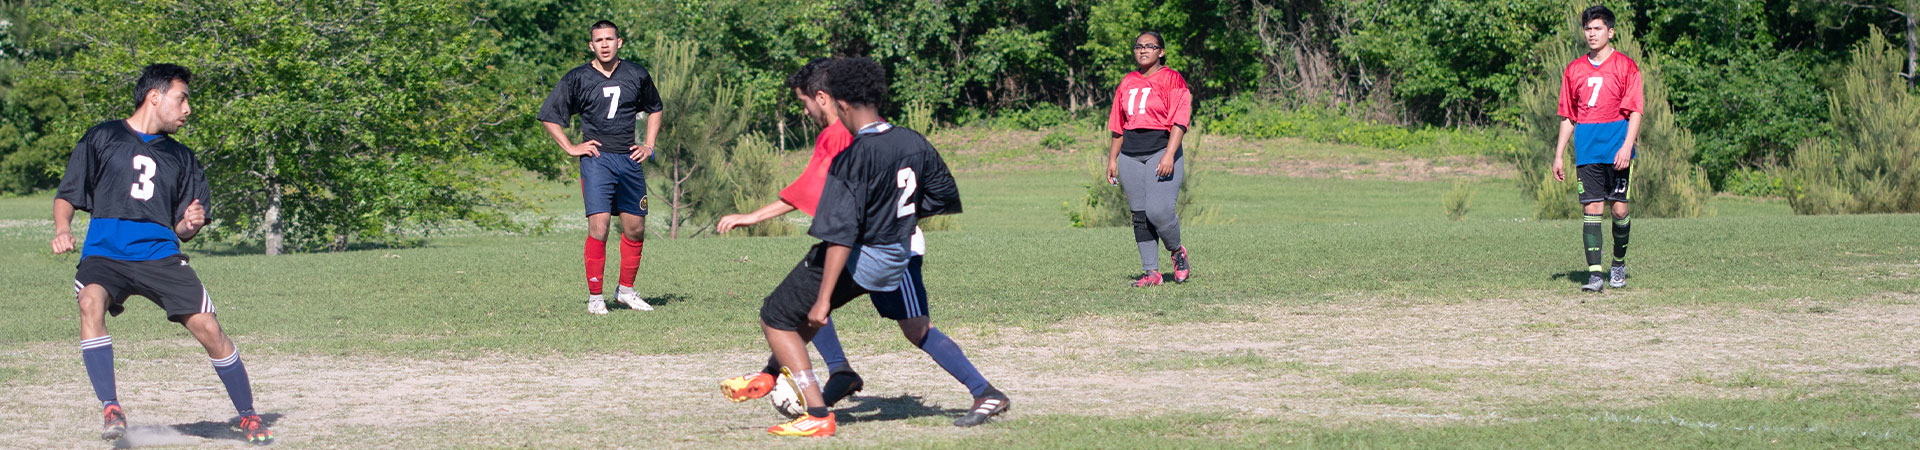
(1150, 102)
(1604, 93)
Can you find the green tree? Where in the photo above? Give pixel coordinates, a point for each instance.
(1872, 164)
(703, 117)
(319, 122)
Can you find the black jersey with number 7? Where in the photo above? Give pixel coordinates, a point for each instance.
(113, 174)
(880, 186)
(607, 105)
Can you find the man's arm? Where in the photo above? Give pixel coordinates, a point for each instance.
(191, 222)
(559, 135)
(1624, 157)
(653, 131)
(776, 209)
(1560, 150)
(829, 277)
(62, 226)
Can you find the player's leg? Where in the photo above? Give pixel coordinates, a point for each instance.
(1618, 198)
(597, 191)
(1593, 195)
(908, 307)
(172, 284)
(842, 380)
(1136, 180)
(1162, 212)
(99, 287)
(786, 306)
(630, 200)
(790, 348)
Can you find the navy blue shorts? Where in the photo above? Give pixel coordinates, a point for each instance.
(909, 301)
(613, 183)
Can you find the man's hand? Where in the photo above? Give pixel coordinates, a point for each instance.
(62, 242)
(731, 221)
(1559, 170)
(1622, 158)
(192, 220)
(817, 317)
(640, 153)
(588, 148)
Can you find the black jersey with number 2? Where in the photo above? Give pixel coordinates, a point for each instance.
(112, 174)
(880, 186)
(607, 105)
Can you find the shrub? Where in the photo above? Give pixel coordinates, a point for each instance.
(1105, 204)
(1458, 200)
(1873, 163)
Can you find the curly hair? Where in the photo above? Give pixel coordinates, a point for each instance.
(859, 81)
(810, 78)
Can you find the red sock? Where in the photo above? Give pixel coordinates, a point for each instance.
(629, 260)
(596, 264)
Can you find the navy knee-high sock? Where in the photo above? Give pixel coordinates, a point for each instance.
(233, 374)
(947, 353)
(828, 343)
(98, 354)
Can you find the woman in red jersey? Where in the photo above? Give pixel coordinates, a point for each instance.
(1151, 110)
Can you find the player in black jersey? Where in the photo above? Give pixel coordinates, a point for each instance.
(874, 196)
(607, 93)
(146, 193)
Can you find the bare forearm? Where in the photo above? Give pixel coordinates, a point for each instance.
(1633, 132)
(830, 271)
(62, 216)
(1113, 151)
(776, 209)
(1560, 145)
(653, 128)
(185, 231)
(558, 133)
(1174, 135)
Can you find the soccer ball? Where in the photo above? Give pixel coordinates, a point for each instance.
(786, 398)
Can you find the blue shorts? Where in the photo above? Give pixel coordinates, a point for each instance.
(613, 183)
(907, 302)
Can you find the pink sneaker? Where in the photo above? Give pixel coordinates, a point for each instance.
(1147, 279)
(1180, 268)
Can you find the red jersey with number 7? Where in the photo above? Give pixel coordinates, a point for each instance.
(1601, 93)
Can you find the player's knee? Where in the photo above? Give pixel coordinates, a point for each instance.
(92, 304)
(635, 234)
(1161, 217)
(1142, 228)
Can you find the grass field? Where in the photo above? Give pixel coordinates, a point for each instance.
(1339, 307)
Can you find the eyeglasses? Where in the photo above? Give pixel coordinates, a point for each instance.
(1145, 46)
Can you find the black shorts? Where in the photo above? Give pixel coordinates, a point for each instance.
(1600, 182)
(168, 282)
(787, 307)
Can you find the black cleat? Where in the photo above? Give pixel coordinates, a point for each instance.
(984, 407)
(841, 385)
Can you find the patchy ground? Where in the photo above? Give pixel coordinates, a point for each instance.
(1355, 362)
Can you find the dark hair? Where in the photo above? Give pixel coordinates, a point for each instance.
(158, 77)
(810, 78)
(1596, 12)
(1161, 41)
(605, 24)
(859, 81)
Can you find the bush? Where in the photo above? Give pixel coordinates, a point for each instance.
(1247, 117)
(752, 169)
(1873, 163)
(1458, 200)
(1755, 183)
(1105, 204)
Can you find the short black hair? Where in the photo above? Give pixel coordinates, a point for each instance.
(859, 81)
(158, 77)
(605, 24)
(1596, 12)
(811, 77)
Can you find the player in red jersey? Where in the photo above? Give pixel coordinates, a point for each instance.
(1601, 101)
(1151, 110)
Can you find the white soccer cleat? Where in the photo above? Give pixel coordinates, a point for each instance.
(632, 299)
(596, 305)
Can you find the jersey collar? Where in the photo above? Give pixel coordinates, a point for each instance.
(875, 128)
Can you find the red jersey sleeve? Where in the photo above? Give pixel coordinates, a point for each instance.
(1115, 119)
(1634, 98)
(804, 193)
(1568, 92)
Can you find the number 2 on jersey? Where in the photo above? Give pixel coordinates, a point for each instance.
(907, 182)
(613, 106)
(1594, 83)
(143, 187)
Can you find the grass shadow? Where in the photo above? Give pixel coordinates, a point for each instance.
(652, 300)
(1576, 277)
(903, 407)
(181, 434)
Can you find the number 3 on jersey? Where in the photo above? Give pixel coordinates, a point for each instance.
(907, 182)
(143, 187)
(613, 106)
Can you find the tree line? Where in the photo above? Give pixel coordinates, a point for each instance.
(333, 121)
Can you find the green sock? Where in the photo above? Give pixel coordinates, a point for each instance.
(1620, 229)
(1590, 230)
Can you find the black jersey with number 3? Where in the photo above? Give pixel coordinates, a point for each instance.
(112, 174)
(880, 186)
(607, 105)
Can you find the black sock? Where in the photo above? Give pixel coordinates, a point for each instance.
(772, 368)
(817, 411)
(1620, 241)
(1591, 232)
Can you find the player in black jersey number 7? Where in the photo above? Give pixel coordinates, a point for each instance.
(146, 193)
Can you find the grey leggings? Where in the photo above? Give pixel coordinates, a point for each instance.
(1152, 200)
